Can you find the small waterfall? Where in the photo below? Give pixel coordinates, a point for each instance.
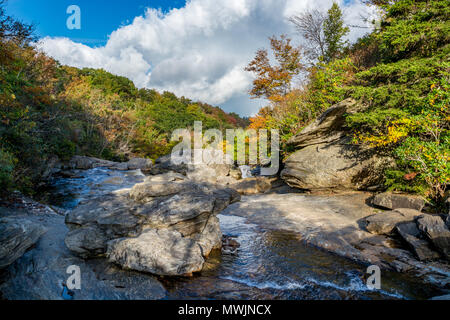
(246, 172)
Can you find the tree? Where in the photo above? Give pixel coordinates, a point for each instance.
(310, 26)
(323, 33)
(274, 82)
(334, 31)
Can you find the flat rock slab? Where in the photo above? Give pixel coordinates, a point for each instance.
(335, 223)
(16, 236)
(162, 252)
(42, 270)
(394, 201)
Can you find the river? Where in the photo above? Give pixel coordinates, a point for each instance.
(270, 263)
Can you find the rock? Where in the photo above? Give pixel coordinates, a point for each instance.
(328, 127)
(85, 163)
(251, 186)
(86, 241)
(327, 158)
(411, 235)
(139, 163)
(166, 177)
(183, 208)
(395, 201)
(147, 190)
(435, 229)
(235, 173)
(385, 222)
(164, 164)
(40, 274)
(16, 237)
(336, 165)
(161, 252)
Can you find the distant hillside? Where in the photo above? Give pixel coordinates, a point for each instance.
(51, 110)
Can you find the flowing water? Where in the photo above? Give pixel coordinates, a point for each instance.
(270, 264)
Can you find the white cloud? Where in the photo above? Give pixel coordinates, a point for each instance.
(198, 51)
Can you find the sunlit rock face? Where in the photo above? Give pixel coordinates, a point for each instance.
(327, 159)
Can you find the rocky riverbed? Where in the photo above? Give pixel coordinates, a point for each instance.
(278, 245)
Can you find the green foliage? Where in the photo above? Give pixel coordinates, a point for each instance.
(48, 109)
(6, 169)
(334, 31)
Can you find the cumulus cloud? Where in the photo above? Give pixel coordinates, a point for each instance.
(198, 51)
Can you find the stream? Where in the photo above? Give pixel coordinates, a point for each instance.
(270, 263)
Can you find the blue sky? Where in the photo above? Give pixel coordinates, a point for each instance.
(99, 17)
(196, 48)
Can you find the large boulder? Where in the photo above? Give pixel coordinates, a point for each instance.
(327, 158)
(121, 224)
(162, 252)
(394, 201)
(436, 230)
(411, 235)
(16, 237)
(385, 222)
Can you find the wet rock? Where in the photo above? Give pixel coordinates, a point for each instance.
(152, 189)
(327, 159)
(16, 236)
(436, 231)
(40, 274)
(230, 245)
(411, 235)
(183, 208)
(385, 222)
(394, 201)
(86, 241)
(251, 186)
(161, 252)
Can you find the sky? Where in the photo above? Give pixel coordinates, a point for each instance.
(196, 48)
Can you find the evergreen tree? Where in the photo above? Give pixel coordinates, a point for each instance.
(334, 30)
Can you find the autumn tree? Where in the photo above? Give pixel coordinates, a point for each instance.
(334, 31)
(274, 81)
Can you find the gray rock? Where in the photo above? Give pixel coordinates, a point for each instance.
(411, 235)
(251, 186)
(85, 163)
(336, 165)
(86, 241)
(211, 236)
(16, 237)
(147, 190)
(436, 230)
(328, 127)
(139, 163)
(394, 201)
(385, 222)
(161, 252)
(40, 273)
(182, 208)
(327, 159)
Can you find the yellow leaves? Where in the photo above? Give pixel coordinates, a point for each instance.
(13, 96)
(396, 131)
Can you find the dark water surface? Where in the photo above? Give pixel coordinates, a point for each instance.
(270, 264)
